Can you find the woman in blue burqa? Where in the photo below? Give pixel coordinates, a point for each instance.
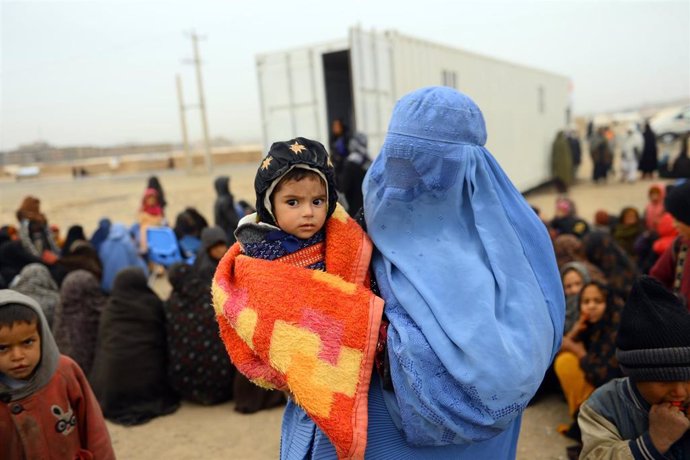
(471, 288)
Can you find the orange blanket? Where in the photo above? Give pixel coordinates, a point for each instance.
(308, 332)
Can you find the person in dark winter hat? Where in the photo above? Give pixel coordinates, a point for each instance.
(677, 201)
(282, 158)
(224, 212)
(354, 169)
(297, 246)
(673, 267)
(644, 415)
(214, 244)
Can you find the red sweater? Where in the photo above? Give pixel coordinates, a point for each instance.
(665, 269)
(62, 420)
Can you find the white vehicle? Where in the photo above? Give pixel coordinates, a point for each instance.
(671, 123)
(360, 78)
(22, 172)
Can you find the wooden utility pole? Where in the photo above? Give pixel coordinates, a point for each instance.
(202, 102)
(183, 123)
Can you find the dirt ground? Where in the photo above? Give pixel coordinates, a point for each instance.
(219, 432)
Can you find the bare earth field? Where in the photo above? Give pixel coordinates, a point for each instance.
(218, 432)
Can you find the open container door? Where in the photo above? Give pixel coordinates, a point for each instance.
(291, 95)
(373, 84)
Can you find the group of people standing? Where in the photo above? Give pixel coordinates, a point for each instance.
(638, 152)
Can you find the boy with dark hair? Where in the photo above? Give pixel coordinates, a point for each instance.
(644, 415)
(42, 389)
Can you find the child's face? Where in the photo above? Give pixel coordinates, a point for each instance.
(20, 350)
(592, 303)
(300, 207)
(572, 282)
(151, 200)
(662, 392)
(217, 251)
(683, 229)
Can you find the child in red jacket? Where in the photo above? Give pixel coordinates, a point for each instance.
(47, 408)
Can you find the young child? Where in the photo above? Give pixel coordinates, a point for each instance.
(150, 215)
(303, 319)
(47, 408)
(587, 358)
(645, 414)
(655, 207)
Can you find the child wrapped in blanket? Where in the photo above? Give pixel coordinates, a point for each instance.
(293, 302)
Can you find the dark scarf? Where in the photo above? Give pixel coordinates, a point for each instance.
(129, 375)
(199, 368)
(77, 316)
(278, 244)
(625, 236)
(605, 253)
(600, 364)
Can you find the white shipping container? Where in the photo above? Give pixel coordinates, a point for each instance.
(359, 80)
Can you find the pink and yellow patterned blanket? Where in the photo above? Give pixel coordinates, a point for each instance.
(311, 333)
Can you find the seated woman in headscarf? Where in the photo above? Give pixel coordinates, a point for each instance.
(129, 374)
(118, 252)
(569, 248)
(198, 365)
(188, 227)
(81, 256)
(628, 229)
(472, 292)
(101, 233)
(13, 255)
(75, 327)
(74, 233)
(35, 281)
(619, 269)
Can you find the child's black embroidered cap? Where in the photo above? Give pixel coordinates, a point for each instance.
(285, 156)
(653, 342)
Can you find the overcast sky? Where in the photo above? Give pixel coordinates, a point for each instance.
(102, 72)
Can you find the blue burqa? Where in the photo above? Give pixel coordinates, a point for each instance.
(471, 286)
